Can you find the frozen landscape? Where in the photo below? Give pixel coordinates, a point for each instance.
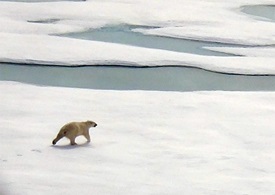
(27, 31)
(146, 142)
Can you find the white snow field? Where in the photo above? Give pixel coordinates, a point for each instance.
(146, 142)
(27, 33)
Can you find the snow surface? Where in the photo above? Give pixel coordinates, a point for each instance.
(145, 143)
(203, 143)
(27, 30)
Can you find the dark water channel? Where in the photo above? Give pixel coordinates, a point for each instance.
(123, 78)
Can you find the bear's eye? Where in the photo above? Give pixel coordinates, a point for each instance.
(65, 132)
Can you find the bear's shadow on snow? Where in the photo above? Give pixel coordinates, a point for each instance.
(71, 147)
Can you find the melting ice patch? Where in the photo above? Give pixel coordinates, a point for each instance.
(28, 33)
(266, 12)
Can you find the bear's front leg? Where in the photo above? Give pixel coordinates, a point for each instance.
(73, 142)
(87, 136)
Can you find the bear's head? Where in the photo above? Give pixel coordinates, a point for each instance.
(91, 124)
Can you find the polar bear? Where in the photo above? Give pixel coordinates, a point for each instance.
(73, 129)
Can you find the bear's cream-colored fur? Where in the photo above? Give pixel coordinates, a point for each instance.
(73, 129)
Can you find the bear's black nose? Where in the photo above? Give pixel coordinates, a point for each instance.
(53, 142)
(95, 125)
